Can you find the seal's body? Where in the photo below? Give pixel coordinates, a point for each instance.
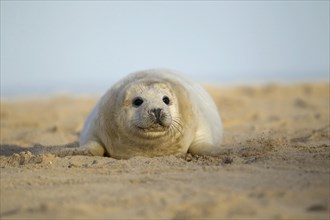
(153, 113)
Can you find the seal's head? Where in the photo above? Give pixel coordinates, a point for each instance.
(151, 109)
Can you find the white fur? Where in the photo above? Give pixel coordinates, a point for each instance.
(204, 137)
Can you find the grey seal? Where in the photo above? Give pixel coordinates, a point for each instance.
(152, 113)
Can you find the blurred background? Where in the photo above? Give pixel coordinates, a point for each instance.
(83, 47)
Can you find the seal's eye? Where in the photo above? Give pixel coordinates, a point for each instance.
(166, 100)
(137, 101)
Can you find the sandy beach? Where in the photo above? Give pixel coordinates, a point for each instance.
(275, 163)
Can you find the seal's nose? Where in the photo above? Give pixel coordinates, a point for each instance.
(156, 112)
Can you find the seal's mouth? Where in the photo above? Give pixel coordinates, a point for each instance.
(153, 130)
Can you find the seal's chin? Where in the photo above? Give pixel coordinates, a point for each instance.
(153, 130)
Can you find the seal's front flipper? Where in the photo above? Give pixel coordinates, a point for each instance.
(93, 148)
(204, 148)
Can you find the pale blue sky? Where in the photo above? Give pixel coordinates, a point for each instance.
(86, 46)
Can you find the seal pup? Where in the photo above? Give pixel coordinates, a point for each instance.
(153, 113)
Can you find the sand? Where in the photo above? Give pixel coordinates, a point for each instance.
(275, 163)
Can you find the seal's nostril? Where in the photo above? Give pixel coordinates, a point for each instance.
(157, 112)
